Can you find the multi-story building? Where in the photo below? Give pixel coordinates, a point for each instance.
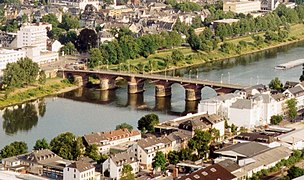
(9, 56)
(79, 170)
(33, 35)
(147, 148)
(242, 6)
(106, 140)
(114, 164)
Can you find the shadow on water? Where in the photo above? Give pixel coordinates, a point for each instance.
(22, 117)
(133, 101)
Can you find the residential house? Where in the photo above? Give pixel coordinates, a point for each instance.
(233, 168)
(79, 170)
(105, 140)
(296, 92)
(105, 36)
(146, 149)
(53, 45)
(42, 162)
(213, 172)
(114, 164)
(179, 140)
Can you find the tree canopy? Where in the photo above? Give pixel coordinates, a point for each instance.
(159, 161)
(124, 125)
(200, 142)
(276, 119)
(147, 122)
(292, 108)
(87, 39)
(276, 84)
(67, 145)
(41, 144)
(20, 73)
(13, 149)
(126, 173)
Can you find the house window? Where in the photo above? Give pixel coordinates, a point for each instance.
(74, 176)
(74, 170)
(68, 169)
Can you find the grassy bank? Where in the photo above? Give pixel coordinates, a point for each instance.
(156, 62)
(51, 87)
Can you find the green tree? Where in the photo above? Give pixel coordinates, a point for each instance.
(13, 149)
(92, 152)
(292, 108)
(42, 77)
(41, 144)
(276, 119)
(68, 49)
(276, 84)
(50, 18)
(177, 55)
(173, 157)
(86, 40)
(126, 173)
(233, 128)
(194, 41)
(96, 58)
(148, 122)
(20, 73)
(69, 22)
(159, 161)
(295, 172)
(200, 142)
(67, 145)
(124, 125)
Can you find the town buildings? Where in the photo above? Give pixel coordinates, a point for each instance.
(106, 140)
(9, 56)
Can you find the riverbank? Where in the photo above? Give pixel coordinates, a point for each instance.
(19, 96)
(155, 62)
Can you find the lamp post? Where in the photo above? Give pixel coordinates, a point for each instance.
(166, 73)
(228, 77)
(129, 67)
(222, 78)
(190, 73)
(107, 64)
(258, 79)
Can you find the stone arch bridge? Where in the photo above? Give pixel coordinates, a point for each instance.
(162, 83)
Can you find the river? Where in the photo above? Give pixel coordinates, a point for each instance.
(84, 111)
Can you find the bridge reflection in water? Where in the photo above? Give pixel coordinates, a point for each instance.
(134, 101)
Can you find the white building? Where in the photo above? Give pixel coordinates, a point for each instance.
(106, 140)
(252, 112)
(218, 105)
(296, 92)
(33, 35)
(81, 4)
(114, 164)
(79, 170)
(9, 56)
(147, 148)
(242, 6)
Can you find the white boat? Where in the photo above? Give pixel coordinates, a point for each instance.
(290, 64)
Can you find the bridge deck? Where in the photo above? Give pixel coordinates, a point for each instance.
(161, 77)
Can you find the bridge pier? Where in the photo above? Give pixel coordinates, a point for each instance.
(107, 83)
(193, 93)
(135, 85)
(163, 89)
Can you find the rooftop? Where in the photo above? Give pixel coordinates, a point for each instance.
(81, 166)
(209, 173)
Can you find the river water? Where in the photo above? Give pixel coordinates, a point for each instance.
(84, 111)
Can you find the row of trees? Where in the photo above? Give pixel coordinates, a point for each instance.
(127, 46)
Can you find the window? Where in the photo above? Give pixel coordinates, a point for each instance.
(68, 169)
(74, 176)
